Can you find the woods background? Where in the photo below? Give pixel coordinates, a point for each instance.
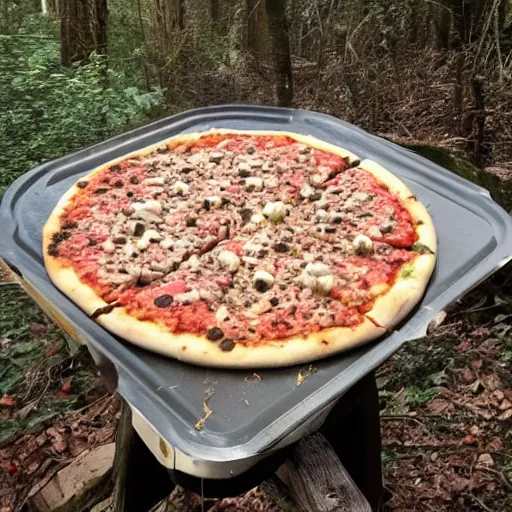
(425, 73)
(75, 71)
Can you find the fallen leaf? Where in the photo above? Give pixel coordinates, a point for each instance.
(8, 401)
(66, 387)
(469, 439)
(474, 387)
(477, 364)
(506, 404)
(475, 430)
(468, 375)
(10, 468)
(490, 382)
(37, 329)
(499, 395)
(60, 446)
(76, 445)
(505, 415)
(25, 410)
(439, 406)
(53, 349)
(4, 342)
(486, 460)
(494, 445)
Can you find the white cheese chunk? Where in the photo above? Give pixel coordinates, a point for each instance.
(149, 236)
(221, 314)
(150, 206)
(129, 249)
(243, 166)
(306, 280)
(263, 280)
(261, 307)
(374, 231)
(216, 157)
(181, 188)
(187, 297)
(325, 284)
(253, 183)
(362, 245)
(275, 211)
(229, 260)
(213, 201)
(306, 191)
(108, 246)
(257, 218)
(194, 262)
(158, 180)
(321, 215)
(318, 269)
(167, 243)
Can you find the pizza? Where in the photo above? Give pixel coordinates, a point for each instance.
(242, 249)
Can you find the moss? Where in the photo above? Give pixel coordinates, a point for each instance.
(500, 191)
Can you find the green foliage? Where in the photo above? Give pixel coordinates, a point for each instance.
(47, 111)
(417, 396)
(31, 374)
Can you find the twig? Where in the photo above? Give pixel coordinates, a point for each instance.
(497, 42)
(484, 35)
(207, 412)
(398, 417)
(480, 502)
(504, 479)
(88, 406)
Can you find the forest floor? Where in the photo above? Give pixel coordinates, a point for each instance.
(446, 409)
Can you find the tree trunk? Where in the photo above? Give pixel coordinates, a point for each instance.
(256, 32)
(83, 29)
(280, 42)
(52, 7)
(170, 19)
(214, 11)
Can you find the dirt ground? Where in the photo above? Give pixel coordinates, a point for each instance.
(446, 409)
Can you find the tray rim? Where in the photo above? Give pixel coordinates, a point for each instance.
(241, 451)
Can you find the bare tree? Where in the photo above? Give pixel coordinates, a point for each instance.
(280, 42)
(83, 29)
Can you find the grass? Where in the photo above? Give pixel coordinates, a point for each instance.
(37, 372)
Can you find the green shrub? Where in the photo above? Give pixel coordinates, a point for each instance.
(47, 111)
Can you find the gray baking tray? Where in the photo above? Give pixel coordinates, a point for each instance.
(253, 417)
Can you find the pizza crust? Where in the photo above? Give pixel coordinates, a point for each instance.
(394, 306)
(405, 294)
(195, 349)
(387, 312)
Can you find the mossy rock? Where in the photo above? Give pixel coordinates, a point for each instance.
(501, 191)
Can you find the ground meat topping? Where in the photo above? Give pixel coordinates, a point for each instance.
(241, 237)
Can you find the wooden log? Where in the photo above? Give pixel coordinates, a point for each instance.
(140, 480)
(318, 481)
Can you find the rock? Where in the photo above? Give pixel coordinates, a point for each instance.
(66, 491)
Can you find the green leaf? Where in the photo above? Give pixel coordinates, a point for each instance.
(422, 249)
(8, 429)
(417, 396)
(437, 378)
(407, 272)
(24, 347)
